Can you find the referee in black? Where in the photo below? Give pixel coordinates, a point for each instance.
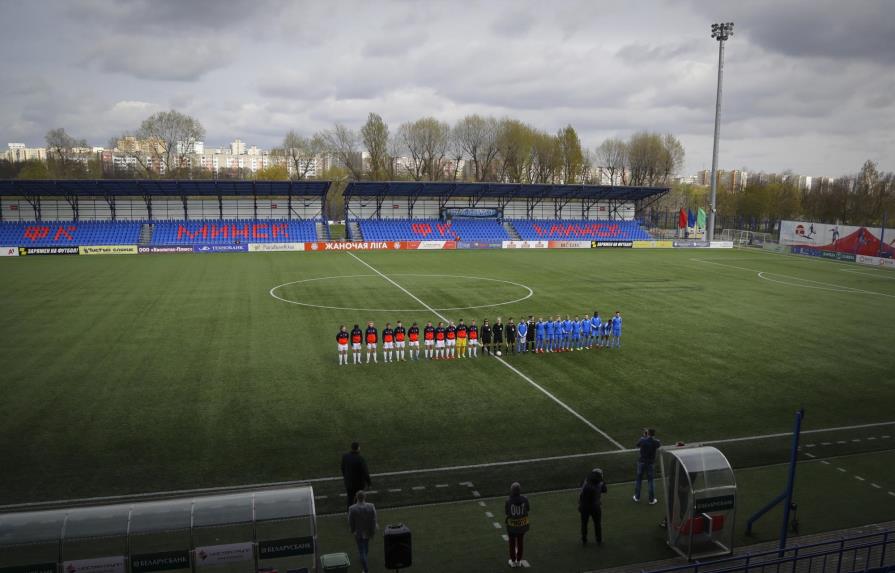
(530, 335)
(486, 337)
(497, 330)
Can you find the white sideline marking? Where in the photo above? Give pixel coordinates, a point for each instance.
(501, 360)
(892, 493)
(482, 503)
(877, 486)
(418, 487)
(877, 275)
(506, 537)
(489, 514)
(837, 288)
(394, 490)
(810, 455)
(476, 494)
(859, 478)
(841, 469)
(496, 525)
(207, 490)
(525, 564)
(320, 497)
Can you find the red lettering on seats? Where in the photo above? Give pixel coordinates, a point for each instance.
(282, 228)
(236, 232)
(423, 229)
(35, 232)
(223, 231)
(255, 231)
(63, 231)
(181, 231)
(538, 229)
(442, 227)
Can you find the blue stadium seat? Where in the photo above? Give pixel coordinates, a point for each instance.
(230, 231)
(431, 229)
(61, 233)
(580, 230)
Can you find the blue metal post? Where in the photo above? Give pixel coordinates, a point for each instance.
(791, 481)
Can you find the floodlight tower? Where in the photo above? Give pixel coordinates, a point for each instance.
(720, 32)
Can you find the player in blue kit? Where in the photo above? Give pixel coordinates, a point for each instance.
(596, 326)
(550, 331)
(567, 334)
(574, 335)
(521, 335)
(540, 333)
(584, 327)
(617, 329)
(557, 333)
(607, 332)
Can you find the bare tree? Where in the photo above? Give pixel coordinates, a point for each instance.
(571, 155)
(63, 159)
(343, 143)
(375, 138)
(164, 142)
(612, 155)
(301, 153)
(426, 140)
(477, 137)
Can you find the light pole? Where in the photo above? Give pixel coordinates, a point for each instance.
(720, 32)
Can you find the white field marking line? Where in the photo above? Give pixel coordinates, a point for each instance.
(810, 455)
(501, 360)
(290, 301)
(877, 275)
(761, 274)
(292, 483)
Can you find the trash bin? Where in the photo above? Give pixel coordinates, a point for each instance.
(335, 562)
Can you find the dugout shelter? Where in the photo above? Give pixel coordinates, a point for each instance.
(242, 532)
(700, 501)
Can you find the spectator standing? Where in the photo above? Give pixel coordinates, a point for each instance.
(648, 446)
(363, 525)
(354, 472)
(516, 510)
(590, 505)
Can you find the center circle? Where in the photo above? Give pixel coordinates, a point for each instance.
(273, 292)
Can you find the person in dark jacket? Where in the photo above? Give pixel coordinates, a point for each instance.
(486, 337)
(516, 510)
(497, 332)
(354, 473)
(590, 505)
(648, 446)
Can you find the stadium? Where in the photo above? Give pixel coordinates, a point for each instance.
(171, 377)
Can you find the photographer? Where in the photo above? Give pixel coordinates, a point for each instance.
(648, 446)
(590, 505)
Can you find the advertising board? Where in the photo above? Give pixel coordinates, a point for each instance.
(690, 244)
(275, 247)
(658, 244)
(526, 244)
(568, 244)
(9, 251)
(31, 251)
(164, 250)
(108, 250)
(612, 244)
(220, 248)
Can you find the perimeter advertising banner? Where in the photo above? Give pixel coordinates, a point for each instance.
(9, 251)
(479, 244)
(870, 241)
(612, 244)
(526, 244)
(97, 565)
(568, 244)
(661, 244)
(288, 547)
(30, 251)
(354, 246)
(876, 261)
(275, 247)
(224, 554)
(35, 568)
(165, 561)
(220, 248)
(108, 250)
(164, 250)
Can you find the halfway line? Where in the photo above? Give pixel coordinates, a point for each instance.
(501, 360)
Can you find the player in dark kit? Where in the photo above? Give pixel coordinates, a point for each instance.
(429, 338)
(439, 341)
(511, 336)
(414, 335)
(357, 337)
(400, 341)
(530, 336)
(342, 341)
(497, 332)
(473, 340)
(451, 332)
(388, 342)
(486, 337)
(372, 336)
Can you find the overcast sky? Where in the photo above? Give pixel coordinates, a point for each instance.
(809, 84)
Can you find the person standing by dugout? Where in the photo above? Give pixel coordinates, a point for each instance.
(355, 474)
(590, 505)
(648, 446)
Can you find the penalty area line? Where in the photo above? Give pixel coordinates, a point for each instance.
(562, 404)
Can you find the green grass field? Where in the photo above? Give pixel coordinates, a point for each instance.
(143, 373)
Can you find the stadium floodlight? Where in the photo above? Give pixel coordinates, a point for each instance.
(721, 32)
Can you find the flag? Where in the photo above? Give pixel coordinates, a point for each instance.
(682, 219)
(691, 218)
(700, 218)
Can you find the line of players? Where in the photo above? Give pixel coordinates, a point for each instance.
(462, 341)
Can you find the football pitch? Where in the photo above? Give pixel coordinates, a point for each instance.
(129, 374)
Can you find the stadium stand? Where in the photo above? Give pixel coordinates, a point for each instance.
(59, 233)
(431, 229)
(540, 229)
(230, 231)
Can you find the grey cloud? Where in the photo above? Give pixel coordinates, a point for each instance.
(176, 59)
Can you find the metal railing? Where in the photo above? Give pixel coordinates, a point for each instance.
(869, 552)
